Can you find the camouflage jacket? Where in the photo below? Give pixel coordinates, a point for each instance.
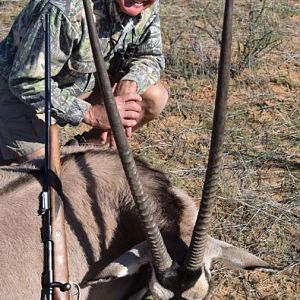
(22, 53)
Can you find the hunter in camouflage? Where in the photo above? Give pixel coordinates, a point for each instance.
(120, 24)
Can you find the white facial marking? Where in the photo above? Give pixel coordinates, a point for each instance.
(198, 291)
(158, 290)
(135, 252)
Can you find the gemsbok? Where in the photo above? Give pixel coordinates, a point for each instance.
(106, 244)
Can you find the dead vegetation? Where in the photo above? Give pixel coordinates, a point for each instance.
(258, 202)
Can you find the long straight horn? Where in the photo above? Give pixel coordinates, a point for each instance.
(194, 258)
(161, 258)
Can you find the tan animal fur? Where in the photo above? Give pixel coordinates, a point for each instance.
(101, 224)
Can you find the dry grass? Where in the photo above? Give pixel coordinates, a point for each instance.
(259, 199)
(9, 9)
(258, 202)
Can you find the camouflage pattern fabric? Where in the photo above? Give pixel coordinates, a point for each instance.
(22, 52)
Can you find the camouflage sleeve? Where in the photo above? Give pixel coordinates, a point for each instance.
(148, 61)
(26, 78)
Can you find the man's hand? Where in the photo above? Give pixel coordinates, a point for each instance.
(122, 88)
(128, 106)
(125, 87)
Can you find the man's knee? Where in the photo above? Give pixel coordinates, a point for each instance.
(155, 99)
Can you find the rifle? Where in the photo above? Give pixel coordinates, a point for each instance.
(54, 236)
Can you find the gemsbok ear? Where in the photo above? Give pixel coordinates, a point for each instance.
(235, 257)
(127, 264)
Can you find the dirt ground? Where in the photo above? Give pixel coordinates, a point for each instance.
(259, 196)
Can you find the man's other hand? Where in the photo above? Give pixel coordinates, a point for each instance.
(129, 107)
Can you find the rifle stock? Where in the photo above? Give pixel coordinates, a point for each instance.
(58, 233)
